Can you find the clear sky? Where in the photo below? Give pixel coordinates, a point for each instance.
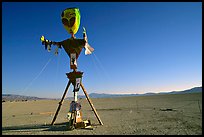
(139, 47)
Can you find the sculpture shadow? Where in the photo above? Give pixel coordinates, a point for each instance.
(40, 127)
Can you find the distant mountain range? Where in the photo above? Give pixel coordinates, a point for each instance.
(12, 97)
(103, 95)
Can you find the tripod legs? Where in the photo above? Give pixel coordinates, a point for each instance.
(91, 104)
(60, 103)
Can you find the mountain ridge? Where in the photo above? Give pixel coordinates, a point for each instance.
(14, 97)
(103, 95)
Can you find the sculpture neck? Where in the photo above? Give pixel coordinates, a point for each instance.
(72, 36)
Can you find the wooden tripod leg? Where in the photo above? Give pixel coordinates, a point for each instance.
(91, 104)
(60, 103)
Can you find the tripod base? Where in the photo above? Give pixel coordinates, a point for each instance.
(84, 124)
(74, 117)
(75, 121)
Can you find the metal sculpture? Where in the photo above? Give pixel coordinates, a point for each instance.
(70, 18)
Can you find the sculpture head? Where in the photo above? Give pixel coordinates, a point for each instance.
(71, 19)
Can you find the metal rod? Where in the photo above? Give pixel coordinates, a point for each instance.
(91, 104)
(75, 96)
(60, 103)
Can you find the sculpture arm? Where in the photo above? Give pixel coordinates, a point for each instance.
(88, 48)
(48, 43)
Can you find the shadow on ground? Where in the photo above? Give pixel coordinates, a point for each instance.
(41, 127)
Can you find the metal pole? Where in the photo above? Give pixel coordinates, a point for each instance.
(91, 104)
(60, 103)
(75, 96)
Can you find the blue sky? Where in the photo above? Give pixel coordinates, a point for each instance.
(139, 47)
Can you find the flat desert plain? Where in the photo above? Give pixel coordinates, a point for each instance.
(172, 114)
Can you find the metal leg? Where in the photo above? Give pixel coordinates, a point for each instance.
(60, 103)
(91, 104)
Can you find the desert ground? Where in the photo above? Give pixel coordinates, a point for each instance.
(176, 114)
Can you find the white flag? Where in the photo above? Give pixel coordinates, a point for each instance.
(88, 49)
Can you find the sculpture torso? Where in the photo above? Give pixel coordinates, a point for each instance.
(73, 45)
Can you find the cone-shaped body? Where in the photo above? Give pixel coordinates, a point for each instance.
(72, 45)
(71, 19)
